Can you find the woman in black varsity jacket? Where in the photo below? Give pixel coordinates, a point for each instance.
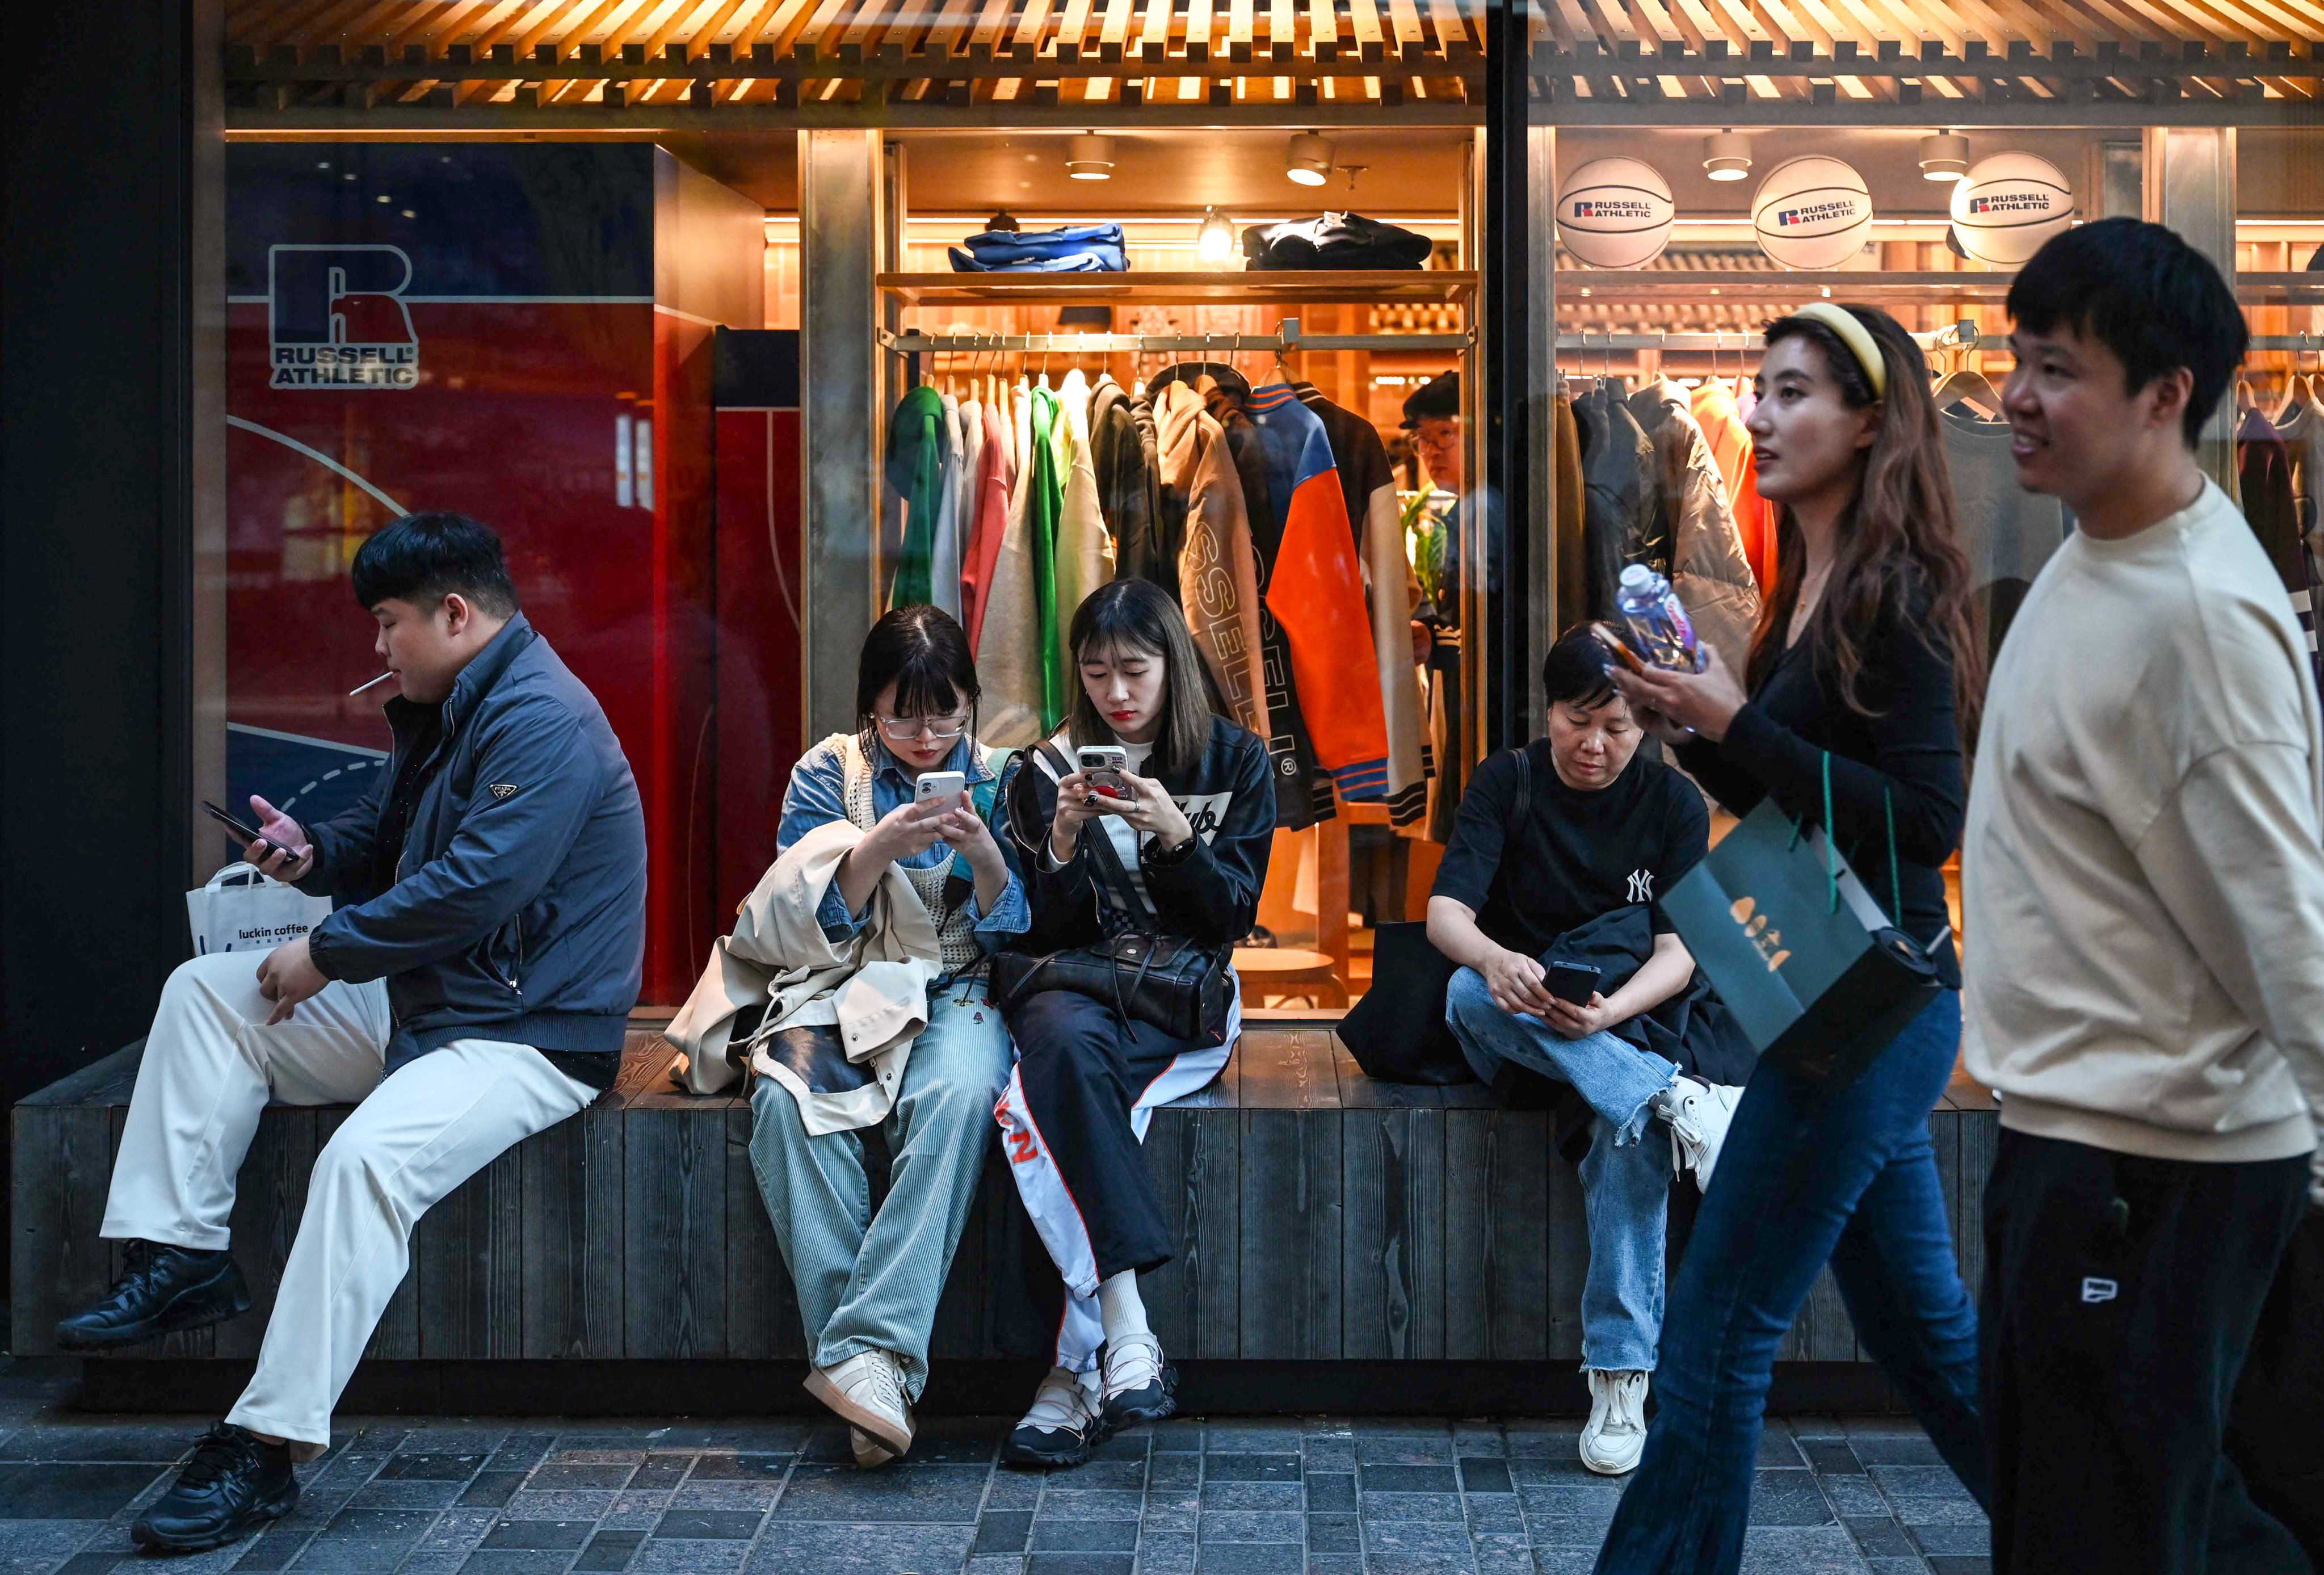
(1189, 824)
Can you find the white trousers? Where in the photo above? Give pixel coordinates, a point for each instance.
(211, 1065)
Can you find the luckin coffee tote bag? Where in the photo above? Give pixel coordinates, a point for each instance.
(238, 909)
(1807, 963)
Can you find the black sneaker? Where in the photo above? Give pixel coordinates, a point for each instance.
(163, 1288)
(232, 1486)
(1139, 1386)
(1062, 1427)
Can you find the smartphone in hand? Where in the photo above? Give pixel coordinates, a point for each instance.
(248, 833)
(937, 787)
(1103, 765)
(1573, 982)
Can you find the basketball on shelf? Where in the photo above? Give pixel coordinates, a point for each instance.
(1616, 213)
(1812, 212)
(2008, 206)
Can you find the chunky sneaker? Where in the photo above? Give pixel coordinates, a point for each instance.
(163, 1288)
(1616, 1430)
(867, 1391)
(1699, 1114)
(232, 1486)
(1067, 1423)
(1138, 1386)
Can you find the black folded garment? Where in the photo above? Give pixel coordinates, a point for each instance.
(1333, 241)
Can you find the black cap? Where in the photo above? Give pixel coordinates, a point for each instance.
(1439, 396)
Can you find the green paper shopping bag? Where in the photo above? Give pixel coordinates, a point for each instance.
(1814, 971)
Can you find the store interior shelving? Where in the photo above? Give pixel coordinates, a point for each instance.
(1243, 288)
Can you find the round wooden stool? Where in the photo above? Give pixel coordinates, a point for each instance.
(1279, 971)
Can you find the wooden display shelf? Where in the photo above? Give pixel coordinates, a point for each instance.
(1433, 286)
(1708, 284)
(2281, 289)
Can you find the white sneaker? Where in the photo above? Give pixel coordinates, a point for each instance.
(1139, 1386)
(869, 1452)
(1699, 1114)
(1063, 1424)
(1616, 1430)
(867, 1391)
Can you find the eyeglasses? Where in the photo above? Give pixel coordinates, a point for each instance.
(903, 729)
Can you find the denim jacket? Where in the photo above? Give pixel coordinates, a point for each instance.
(818, 794)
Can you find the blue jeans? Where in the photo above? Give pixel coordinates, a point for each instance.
(866, 1279)
(1806, 1175)
(1625, 1178)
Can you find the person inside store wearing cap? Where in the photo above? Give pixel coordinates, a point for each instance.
(1431, 414)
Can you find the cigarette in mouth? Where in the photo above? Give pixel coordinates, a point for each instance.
(375, 684)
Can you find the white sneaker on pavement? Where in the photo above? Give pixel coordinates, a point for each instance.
(1698, 1114)
(867, 1391)
(869, 1452)
(1139, 1386)
(1616, 1430)
(1063, 1424)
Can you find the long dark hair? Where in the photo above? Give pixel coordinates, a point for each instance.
(922, 652)
(1136, 615)
(1898, 540)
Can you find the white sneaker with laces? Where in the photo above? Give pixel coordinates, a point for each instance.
(1698, 1115)
(867, 1391)
(1064, 1425)
(1617, 1431)
(1139, 1386)
(869, 1452)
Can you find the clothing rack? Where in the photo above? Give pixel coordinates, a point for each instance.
(1959, 335)
(2287, 342)
(1284, 341)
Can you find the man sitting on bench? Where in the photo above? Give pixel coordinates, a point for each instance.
(474, 991)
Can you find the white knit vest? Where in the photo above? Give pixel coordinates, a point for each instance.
(955, 932)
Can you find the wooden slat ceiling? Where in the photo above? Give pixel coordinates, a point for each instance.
(1246, 54)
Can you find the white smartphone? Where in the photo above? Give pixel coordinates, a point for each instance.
(1103, 765)
(939, 785)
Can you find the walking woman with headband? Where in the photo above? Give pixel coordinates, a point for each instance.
(1867, 652)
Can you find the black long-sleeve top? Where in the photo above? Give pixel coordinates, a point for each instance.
(1206, 889)
(1907, 756)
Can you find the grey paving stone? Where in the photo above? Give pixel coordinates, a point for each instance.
(689, 1556)
(609, 1550)
(1245, 1525)
(1918, 1482)
(1250, 1467)
(1086, 1536)
(1565, 1561)
(1246, 1437)
(1252, 1559)
(902, 1492)
(1013, 1489)
(157, 1443)
(1097, 1475)
(429, 1468)
(1778, 1450)
(1480, 1474)
(664, 1471)
(539, 1533)
(1133, 1445)
(1950, 1565)
(1335, 1563)
(1961, 1511)
(1173, 1470)
(1566, 1467)
(424, 1564)
(457, 1530)
(1002, 1531)
(1167, 1552)
(1899, 1565)
(556, 1475)
(1415, 1539)
(1174, 1513)
(712, 1524)
(1478, 1440)
(1441, 1507)
(1880, 1537)
(519, 1450)
(1330, 1453)
(1787, 1497)
(1080, 1565)
(1974, 1541)
(949, 1440)
(1801, 1550)
(1564, 1532)
(574, 1503)
(1334, 1533)
(996, 1564)
(1405, 1449)
(1857, 1495)
(1815, 1425)
(353, 1555)
(861, 1547)
(1253, 1496)
(491, 1489)
(1896, 1450)
(58, 1491)
(510, 1561)
(1595, 1497)
(1832, 1456)
(1494, 1513)
(378, 1495)
(1177, 1435)
(1333, 1492)
(1109, 1504)
(1503, 1556)
(1400, 1478)
(754, 1496)
(635, 1511)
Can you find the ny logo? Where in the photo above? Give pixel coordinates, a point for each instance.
(1642, 886)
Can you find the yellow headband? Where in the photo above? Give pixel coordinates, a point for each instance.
(1856, 336)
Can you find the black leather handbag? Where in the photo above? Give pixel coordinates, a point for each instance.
(1181, 988)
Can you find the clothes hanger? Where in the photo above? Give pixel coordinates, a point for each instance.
(1967, 386)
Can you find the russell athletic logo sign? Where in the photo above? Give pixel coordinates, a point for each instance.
(336, 319)
(1816, 213)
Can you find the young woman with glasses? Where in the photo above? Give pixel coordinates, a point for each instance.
(868, 1282)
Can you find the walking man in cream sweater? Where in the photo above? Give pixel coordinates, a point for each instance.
(2143, 920)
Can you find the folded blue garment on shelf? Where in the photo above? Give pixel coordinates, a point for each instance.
(1074, 249)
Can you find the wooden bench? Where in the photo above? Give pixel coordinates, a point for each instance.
(1320, 1216)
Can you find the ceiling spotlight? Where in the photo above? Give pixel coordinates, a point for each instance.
(1090, 157)
(1214, 239)
(1944, 157)
(1308, 160)
(1726, 156)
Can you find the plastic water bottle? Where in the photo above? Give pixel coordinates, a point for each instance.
(1660, 631)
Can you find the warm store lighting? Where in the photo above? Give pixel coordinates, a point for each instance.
(1308, 161)
(1944, 157)
(1726, 156)
(1090, 157)
(1215, 240)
